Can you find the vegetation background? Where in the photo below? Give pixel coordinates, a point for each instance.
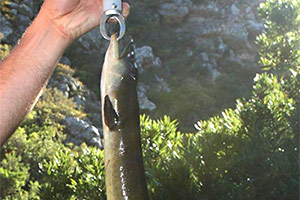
(249, 151)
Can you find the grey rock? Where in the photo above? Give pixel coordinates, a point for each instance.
(80, 131)
(101, 133)
(235, 10)
(204, 57)
(73, 84)
(144, 102)
(97, 142)
(189, 53)
(84, 43)
(90, 133)
(25, 10)
(175, 10)
(236, 36)
(91, 41)
(24, 20)
(65, 60)
(144, 58)
(249, 9)
(162, 84)
(250, 14)
(157, 62)
(212, 7)
(29, 3)
(91, 136)
(93, 131)
(75, 126)
(196, 20)
(14, 12)
(213, 72)
(254, 27)
(96, 119)
(210, 10)
(74, 141)
(13, 5)
(231, 54)
(92, 106)
(64, 88)
(80, 101)
(5, 30)
(21, 28)
(222, 47)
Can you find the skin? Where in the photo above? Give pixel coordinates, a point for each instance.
(24, 73)
(124, 170)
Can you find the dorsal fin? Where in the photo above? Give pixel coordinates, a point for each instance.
(111, 118)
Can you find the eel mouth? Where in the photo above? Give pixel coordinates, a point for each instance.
(113, 48)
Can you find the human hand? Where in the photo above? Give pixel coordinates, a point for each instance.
(74, 18)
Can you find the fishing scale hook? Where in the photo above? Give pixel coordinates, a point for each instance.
(112, 10)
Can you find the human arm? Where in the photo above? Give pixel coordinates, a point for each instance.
(24, 73)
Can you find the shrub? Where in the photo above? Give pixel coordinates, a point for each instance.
(168, 176)
(250, 152)
(279, 44)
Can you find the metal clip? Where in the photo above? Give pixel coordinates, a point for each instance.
(112, 9)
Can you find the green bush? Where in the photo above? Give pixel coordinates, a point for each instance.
(279, 44)
(4, 50)
(37, 164)
(14, 173)
(74, 174)
(250, 152)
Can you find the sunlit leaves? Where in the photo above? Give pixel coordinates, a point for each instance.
(244, 149)
(279, 44)
(4, 50)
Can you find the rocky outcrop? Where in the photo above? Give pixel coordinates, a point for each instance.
(14, 19)
(213, 33)
(144, 102)
(80, 130)
(6, 29)
(221, 27)
(176, 10)
(145, 58)
(89, 129)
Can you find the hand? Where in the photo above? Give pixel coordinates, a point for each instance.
(74, 18)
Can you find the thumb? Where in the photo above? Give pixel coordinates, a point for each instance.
(126, 9)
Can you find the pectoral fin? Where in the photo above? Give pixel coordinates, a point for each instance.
(110, 115)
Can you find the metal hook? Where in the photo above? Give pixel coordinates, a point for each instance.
(112, 10)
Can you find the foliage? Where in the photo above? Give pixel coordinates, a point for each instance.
(13, 173)
(251, 151)
(62, 69)
(163, 157)
(54, 105)
(5, 9)
(4, 50)
(74, 174)
(198, 98)
(279, 44)
(37, 164)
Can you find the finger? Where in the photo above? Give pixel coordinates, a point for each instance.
(125, 12)
(126, 9)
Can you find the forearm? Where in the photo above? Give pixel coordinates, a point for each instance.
(26, 70)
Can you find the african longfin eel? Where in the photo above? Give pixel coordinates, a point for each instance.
(124, 170)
